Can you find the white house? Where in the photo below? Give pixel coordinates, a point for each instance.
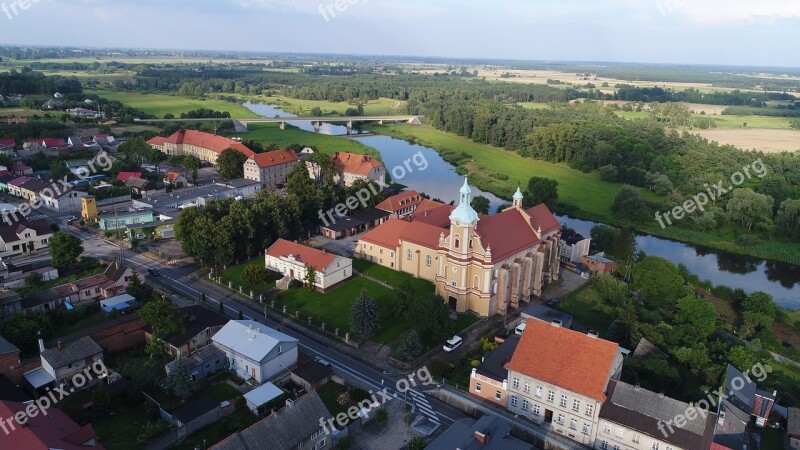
(255, 351)
(293, 260)
(573, 247)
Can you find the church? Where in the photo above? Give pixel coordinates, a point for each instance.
(481, 263)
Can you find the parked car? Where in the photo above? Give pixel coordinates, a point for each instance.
(154, 272)
(452, 344)
(520, 328)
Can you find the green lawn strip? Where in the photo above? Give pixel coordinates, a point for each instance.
(580, 304)
(160, 104)
(270, 133)
(120, 431)
(234, 274)
(219, 430)
(219, 391)
(392, 277)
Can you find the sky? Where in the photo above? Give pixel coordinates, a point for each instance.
(730, 32)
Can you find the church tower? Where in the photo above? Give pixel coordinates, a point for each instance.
(463, 221)
(518, 199)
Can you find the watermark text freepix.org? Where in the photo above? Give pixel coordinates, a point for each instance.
(329, 11)
(52, 397)
(713, 192)
(13, 9)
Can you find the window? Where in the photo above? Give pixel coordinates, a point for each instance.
(607, 429)
(604, 445)
(477, 387)
(515, 383)
(655, 446)
(573, 424)
(635, 438)
(586, 428)
(561, 419)
(525, 404)
(551, 395)
(616, 446)
(563, 401)
(527, 387)
(514, 401)
(470, 243)
(620, 433)
(408, 254)
(380, 251)
(589, 410)
(538, 391)
(576, 405)
(458, 241)
(497, 395)
(537, 410)
(428, 260)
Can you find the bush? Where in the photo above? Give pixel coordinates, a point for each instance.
(344, 443)
(475, 363)
(152, 429)
(381, 415)
(254, 274)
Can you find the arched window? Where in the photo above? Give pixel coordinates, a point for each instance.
(476, 281)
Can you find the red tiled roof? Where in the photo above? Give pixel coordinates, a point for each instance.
(438, 216)
(50, 143)
(390, 233)
(123, 176)
(566, 358)
(42, 432)
(172, 176)
(21, 167)
(274, 158)
(203, 140)
(541, 216)
(400, 201)
(317, 259)
(19, 181)
(8, 142)
(495, 230)
(354, 163)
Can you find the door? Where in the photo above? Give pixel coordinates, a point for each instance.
(548, 416)
(453, 303)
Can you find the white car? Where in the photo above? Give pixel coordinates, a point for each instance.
(452, 344)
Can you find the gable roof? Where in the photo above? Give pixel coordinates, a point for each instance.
(200, 139)
(6, 346)
(793, 421)
(390, 233)
(274, 158)
(53, 142)
(196, 319)
(401, 201)
(123, 176)
(643, 410)
(73, 351)
(354, 163)
(116, 271)
(250, 339)
(566, 358)
(494, 230)
(283, 429)
(43, 432)
(318, 259)
(494, 363)
(8, 143)
(437, 215)
(137, 182)
(172, 176)
(19, 181)
(10, 233)
(461, 435)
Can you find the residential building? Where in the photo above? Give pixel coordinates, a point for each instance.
(311, 374)
(560, 377)
(487, 433)
(203, 363)
(10, 303)
(489, 381)
(55, 430)
(573, 247)
(255, 351)
(483, 264)
(293, 260)
(402, 204)
(344, 227)
(295, 426)
(204, 146)
(158, 229)
(31, 189)
(24, 236)
(598, 264)
(122, 219)
(89, 208)
(744, 404)
(175, 179)
(14, 185)
(123, 176)
(7, 145)
(199, 325)
(546, 314)
(351, 167)
(9, 356)
(139, 186)
(793, 428)
(110, 283)
(66, 201)
(637, 419)
(65, 361)
(270, 168)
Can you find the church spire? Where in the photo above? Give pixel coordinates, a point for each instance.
(518, 198)
(464, 212)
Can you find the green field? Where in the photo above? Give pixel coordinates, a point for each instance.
(327, 144)
(726, 122)
(534, 105)
(158, 104)
(21, 112)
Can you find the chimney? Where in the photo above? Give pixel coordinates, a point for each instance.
(592, 334)
(289, 403)
(41, 344)
(60, 345)
(481, 438)
(556, 323)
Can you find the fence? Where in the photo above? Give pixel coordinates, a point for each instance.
(113, 200)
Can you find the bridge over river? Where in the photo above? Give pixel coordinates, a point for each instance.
(241, 124)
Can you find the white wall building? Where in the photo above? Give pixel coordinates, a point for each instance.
(255, 351)
(292, 259)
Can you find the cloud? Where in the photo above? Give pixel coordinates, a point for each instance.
(729, 12)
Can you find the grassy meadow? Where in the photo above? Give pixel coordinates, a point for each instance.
(327, 144)
(158, 104)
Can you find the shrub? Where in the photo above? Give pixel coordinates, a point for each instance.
(381, 415)
(475, 363)
(344, 443)
(254, 274)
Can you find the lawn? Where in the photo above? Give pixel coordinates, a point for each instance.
(391, 277)
(119, 432)
(580, 304)
(586, 191)
(234, 274)
(158, 104)
(271, 133)
(20, 112)
(329, 394)
(219, 391)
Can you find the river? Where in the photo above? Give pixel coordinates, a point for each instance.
(440, 180)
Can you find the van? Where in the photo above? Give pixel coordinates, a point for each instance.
(452, 344)
(520, 328)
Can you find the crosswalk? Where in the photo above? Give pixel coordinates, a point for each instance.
(422, 406)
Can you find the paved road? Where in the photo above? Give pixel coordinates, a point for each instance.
(177, 280)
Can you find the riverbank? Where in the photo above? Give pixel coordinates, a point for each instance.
(498, 171)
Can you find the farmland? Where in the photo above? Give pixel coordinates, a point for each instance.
(159, 104)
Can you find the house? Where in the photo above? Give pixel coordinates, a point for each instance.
(53, 143)
(52, 104)
(117, 303)
(260, 396)
(24, 236)
(84, 113)
(270, 168)
(104, 139)
(31, 189)
(62, 363)
(485, 264)
(295, 426)
(175, 180)
(121, 220)
(489, 381)
(199, 325)
(560, 377)
(402, 204)
(10, 303)
(53, 430)
(158, 229)
(139, 186)
(487, 433)
(123, 176)
(7, 145)
(111, 282)
(793, 428)
(351, 167)
(598, 264)
(255, 351)
(311, 375)
(5, 177)
(63, 202)
(14, 185)
(634, 418)
(76, 141)
(344, 227)
(203, 363)
(573, 247)
(9, 356)
(204, 146)
(294, 260)
(744, 403)
(17, 279)
(21, 169)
